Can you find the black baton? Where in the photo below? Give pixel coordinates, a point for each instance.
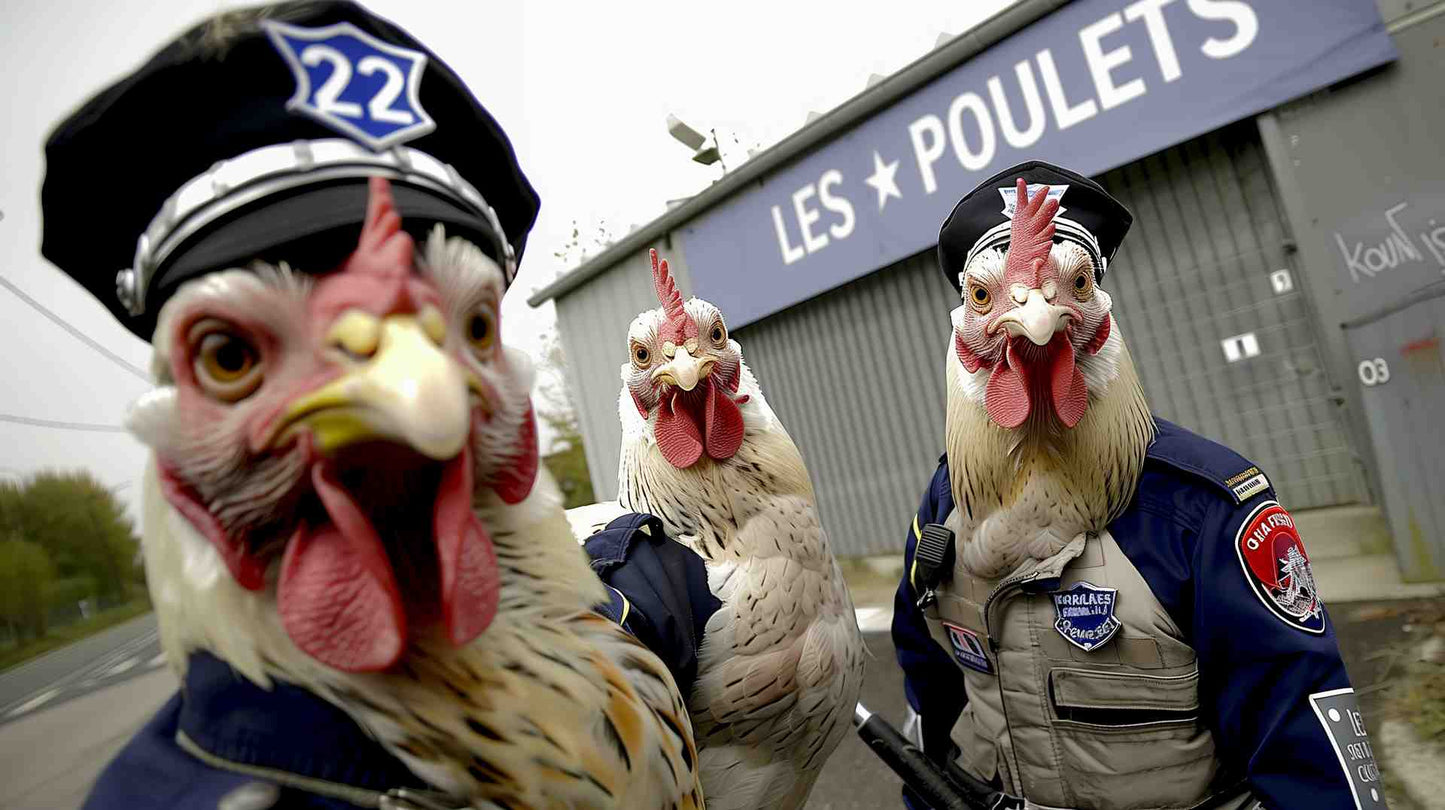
(918, 771)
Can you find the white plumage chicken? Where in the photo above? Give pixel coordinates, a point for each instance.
(781, 662)
(342, 497)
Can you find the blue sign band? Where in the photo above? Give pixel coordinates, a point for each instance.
(1092, 86)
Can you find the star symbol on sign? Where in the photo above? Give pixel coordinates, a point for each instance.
(883, 179)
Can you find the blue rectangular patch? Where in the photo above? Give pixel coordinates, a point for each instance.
(1086, 615)
(968, 648)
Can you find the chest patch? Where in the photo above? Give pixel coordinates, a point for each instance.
(968, 648)
(1085, 615)
(1277, 568)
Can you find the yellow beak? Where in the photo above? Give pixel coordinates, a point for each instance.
(1035, 319)
(409, 391)
(684, 370)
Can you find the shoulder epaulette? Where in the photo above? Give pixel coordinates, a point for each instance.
(1209, 461)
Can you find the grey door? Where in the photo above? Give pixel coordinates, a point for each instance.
(1195, 272)
(1403, 383)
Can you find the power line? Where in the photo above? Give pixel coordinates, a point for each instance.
(79, 335)
(52, 423)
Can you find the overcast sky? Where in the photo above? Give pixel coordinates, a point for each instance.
(583, 89)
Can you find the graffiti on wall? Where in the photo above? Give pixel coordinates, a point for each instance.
(1393, 246)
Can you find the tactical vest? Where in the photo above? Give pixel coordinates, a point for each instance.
(1114, 727)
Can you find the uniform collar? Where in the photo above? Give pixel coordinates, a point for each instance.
(289, 736)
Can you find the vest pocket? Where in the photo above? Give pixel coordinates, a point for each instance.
(1120, 699)
(1127, 740)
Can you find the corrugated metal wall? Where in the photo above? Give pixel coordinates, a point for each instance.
(1194, 271)
(856, 374)
(592, 322)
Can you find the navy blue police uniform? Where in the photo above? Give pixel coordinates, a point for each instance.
(657, 590)
(1272, 686)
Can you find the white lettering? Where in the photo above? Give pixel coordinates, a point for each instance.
(1152, 13)
(1102, 64)
(927, 153)
(1019, 139)
(806, 218)
(791, 253)
(971, 160)
(1246, 25)
(1065, 116)
(838, 205)
(1357, 721)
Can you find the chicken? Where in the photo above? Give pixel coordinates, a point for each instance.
(781, 661)
(345, 495)
(1047, 423)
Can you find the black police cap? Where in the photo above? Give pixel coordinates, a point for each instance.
(218, 150)
(1087, 215)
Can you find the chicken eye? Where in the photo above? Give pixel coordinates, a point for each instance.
(640, 355)
(719, 334)
(1083, 284)
(482, 330)
(227, 366)
(979, 296)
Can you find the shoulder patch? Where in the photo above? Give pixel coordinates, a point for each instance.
(1277, 569)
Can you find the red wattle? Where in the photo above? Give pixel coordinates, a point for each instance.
(337, 596)
(1067, 389)
(722, 424)
(515, 479)
(470, 583)
(1007, 395)
(677, 434)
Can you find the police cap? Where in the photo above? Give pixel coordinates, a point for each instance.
(1087, 215)
(253, 135)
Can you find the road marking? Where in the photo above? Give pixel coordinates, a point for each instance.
(33, 703)
(875, 619)
(121, 667)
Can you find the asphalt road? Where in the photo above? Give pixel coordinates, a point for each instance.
(98, 662)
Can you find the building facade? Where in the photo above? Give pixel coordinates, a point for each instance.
(1281, 289)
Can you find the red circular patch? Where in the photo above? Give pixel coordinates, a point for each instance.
(1277, 568)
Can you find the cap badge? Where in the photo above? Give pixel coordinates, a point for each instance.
(1010, 197)
(354, 83)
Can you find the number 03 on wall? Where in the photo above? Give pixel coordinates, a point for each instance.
(1374, 372)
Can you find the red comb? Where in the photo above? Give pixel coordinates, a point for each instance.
(383, 248)
(667, 294)
(1031, 236)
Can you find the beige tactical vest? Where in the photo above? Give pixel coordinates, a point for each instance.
(1114, 728)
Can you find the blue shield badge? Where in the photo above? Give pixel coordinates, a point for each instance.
(354, 83)
(1086, 615)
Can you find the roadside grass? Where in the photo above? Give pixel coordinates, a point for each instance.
(61, 636)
